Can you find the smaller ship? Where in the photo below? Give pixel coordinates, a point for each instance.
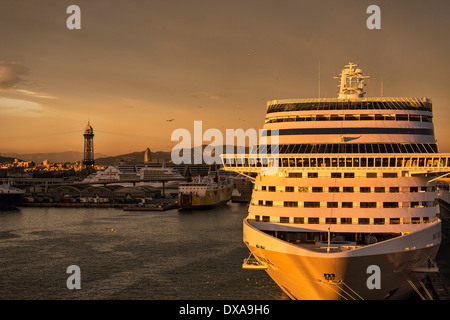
(111, 173)
(245, 186)
(9, 196)
(149, 176)
(205, 192)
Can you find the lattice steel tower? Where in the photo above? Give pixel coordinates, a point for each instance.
(88, 159)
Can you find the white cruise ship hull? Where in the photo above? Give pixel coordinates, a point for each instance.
(306, 274)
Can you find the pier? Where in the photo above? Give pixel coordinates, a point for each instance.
(439, 287)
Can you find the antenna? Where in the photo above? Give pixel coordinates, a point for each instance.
(382, 86)
(319, 78)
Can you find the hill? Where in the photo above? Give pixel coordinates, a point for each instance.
(52, 157)
(100, 159)
(7, 159)
(138, 157)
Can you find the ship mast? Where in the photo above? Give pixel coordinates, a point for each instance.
(352, 82)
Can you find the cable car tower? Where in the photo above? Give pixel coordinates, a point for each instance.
(88, 159)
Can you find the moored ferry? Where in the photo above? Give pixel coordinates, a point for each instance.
(344, 203)
(9, 196)
(205, 192)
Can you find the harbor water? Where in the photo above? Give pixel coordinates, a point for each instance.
(124, 255)
(134, 255)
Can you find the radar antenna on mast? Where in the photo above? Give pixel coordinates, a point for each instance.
(352, 82)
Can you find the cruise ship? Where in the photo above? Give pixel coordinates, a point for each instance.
(150, 176)
(111, 173)
(344, 205)
(163, 173)
(244, 186)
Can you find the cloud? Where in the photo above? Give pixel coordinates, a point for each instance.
(16, 107)
(204, 94)
(36, 94)
(11, 74)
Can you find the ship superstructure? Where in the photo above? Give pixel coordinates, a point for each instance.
(352, 185)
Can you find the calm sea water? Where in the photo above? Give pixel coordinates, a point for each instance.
(128, 255)
(170, 255)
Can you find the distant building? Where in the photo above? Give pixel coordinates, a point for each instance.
(147, 156)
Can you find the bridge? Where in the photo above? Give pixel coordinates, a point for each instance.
(58, 182)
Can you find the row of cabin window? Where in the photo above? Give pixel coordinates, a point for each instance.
(351, 189)
(316, 220)
(392, 162)
(345, 148)
(351, 105)
(338, 175)
(352, 117)
(333, 204)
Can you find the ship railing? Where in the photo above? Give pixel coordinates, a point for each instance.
(328, 249)
(371, 221)
(350, 247)
(421, 162)
(331, 249)
(355, 206)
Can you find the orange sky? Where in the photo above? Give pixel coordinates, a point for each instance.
(135, 64)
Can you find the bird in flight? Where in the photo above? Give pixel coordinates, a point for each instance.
(170, 120)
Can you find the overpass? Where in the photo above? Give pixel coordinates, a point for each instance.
(57, 182)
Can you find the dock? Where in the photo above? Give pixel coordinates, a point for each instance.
(151, 207)
(439, 287)
(70, 205)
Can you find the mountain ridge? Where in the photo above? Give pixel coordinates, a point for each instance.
(100, 159)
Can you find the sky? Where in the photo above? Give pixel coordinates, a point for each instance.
(135, 64)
